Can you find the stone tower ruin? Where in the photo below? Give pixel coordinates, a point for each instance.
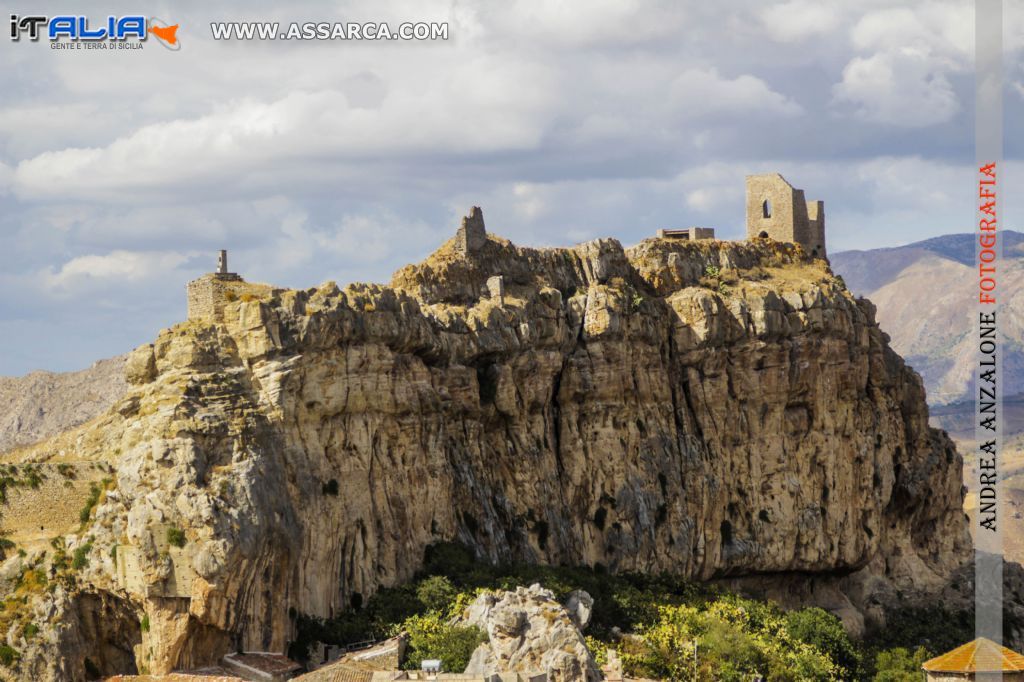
(777, 210)
(472, 234)
(207, 294)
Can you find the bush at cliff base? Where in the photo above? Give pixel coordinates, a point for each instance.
(437, 634)
(433, 636)
(900, 664)
(731, 639)
(660, 616)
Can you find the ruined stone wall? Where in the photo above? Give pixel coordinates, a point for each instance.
(777, 210)
(472, 234)
(778, 217)
(816, 228)
(207, 295)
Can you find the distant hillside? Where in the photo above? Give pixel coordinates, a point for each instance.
(42, 404)
(867, 271)
(924, 293)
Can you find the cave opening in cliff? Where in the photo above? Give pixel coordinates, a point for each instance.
(487, 382)
(111, 627)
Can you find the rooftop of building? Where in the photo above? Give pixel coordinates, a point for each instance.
(981, 655)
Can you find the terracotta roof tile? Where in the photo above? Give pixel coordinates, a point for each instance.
(336, 672)
(981, 655)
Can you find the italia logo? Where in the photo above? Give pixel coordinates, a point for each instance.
(81, 28)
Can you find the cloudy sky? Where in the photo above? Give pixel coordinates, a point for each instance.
(121, 173)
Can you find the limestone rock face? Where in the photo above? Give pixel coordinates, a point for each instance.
(528, 631)
(710, 409)
(580, 606)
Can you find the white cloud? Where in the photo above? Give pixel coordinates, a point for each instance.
(898, 88)
(6, 177)
(890, 28)
(799, 20)
(909, 55)
(713, 189)
(85, 273)
(943, 29)
(914, 183)
(363, 239)
(599, 23)
(703, 92)
(237, 141)
(532, 202)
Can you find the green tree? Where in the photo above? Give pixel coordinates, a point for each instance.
(900, 664)
(432, 636)
(825, 632)
(436, 592)
(735, 639)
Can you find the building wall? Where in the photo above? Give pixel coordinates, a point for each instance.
(791, 219)
(691, 233)
(816, 228)
(177, 584)
(780, 224)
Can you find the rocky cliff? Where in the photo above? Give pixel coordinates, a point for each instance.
(712, 409)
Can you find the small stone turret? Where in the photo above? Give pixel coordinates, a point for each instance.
(207, 295)
(472, 234)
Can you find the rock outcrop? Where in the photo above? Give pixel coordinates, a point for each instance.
(710, 409)
(528, 631)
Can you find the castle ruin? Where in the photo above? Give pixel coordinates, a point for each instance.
(777, 210)
(472, 234)
(207, 294)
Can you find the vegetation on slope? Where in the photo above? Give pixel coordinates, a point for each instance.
(656, 623)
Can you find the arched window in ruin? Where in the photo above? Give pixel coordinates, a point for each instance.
(763, 235)
(766, 208)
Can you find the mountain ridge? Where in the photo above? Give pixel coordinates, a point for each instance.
(924, 295)
(41, 404)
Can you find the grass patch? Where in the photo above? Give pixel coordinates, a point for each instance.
(8, 655)
(176, 537)
(28, 476)
(80, 557)
(96, 494)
